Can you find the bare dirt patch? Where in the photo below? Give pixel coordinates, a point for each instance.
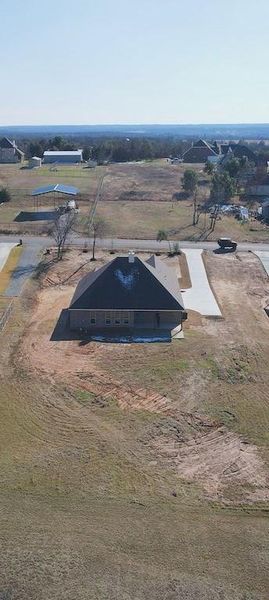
(193, 383)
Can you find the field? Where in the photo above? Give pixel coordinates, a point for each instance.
(136, 471)
(137, 200)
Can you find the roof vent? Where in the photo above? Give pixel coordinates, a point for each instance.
(131, 257)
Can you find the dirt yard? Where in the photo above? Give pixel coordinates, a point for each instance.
(199, 370)
(136, 471)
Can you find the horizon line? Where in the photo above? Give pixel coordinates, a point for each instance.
(198, 124)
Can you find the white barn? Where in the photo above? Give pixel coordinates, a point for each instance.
(62, 156)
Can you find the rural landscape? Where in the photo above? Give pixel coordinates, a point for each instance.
(111, 451)
(134, 300)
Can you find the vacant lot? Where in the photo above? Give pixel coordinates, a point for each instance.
(136, 471)
(137, 200)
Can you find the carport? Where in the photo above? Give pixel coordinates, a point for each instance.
(56, 190)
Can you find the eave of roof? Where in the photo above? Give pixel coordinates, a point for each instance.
(108, 288)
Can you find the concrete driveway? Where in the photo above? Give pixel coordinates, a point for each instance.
(263, 255)
(5, 249)
(200, 296)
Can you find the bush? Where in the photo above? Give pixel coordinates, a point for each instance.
(4, 195)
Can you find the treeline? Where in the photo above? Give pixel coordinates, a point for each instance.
(114, 149)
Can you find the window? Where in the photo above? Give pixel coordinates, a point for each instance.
(93, 318)
(117, 318)
(108, 318)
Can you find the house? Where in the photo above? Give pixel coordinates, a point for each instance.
(200, 152)
(9, 152)
(238, 151)
(127, 295)
(62, 156)
(265, 210)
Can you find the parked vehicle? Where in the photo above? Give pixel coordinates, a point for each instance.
(227, 243)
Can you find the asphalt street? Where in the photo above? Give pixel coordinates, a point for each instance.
(42, 242)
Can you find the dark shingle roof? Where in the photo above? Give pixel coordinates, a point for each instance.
(198, 154)
(124, 285)
(6, 143)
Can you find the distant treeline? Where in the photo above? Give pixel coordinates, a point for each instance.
(118, 149)
(114, 149)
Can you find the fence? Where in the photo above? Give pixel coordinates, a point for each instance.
(5, 316)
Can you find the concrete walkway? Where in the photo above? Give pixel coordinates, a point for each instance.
(200, 296)
(264, 258)
(5, 249)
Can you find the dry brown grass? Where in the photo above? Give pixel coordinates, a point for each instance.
(96, 496)
(9, 266)
(137, 200)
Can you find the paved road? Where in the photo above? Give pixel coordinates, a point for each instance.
(33, 246)
(26, 266)
(126, 244)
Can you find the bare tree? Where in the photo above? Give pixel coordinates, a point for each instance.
(62, 226)
(195, 211)
(97, 229)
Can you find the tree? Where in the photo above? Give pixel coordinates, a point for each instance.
(58, 142)
(161, 236)
(4, 195)
(195, 209)
(223, 187)
(190, 181)
(35, 149)
(62, 227)
(209, 168)
(232, 167)
(86, 153)
(97, 228)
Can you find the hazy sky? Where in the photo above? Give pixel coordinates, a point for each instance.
(134, 61)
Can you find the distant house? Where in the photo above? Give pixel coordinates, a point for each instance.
(265, 210)
(200, 152)
(9, 152)
(238, 151)
(127, 295)
(62, 156)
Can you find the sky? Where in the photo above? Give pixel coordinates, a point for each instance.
(134, 61)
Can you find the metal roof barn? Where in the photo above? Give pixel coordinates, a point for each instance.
(59, 187)
(62, 156)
